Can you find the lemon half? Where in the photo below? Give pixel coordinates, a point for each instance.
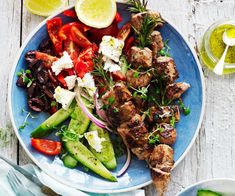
(96, 13)
(45, 7)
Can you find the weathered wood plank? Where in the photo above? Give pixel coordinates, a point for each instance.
(10, 43)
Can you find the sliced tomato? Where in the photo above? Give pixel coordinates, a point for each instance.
(53, 110)
(65, 30)
(70, 13)
(53, 27)
(118, 76)
(128, 44)
(70, 71)
(71, 48)
(47, 147)
(118, 18)
(79, 38)
(60, 77)
(96, 35)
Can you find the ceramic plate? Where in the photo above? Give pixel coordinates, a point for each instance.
(138, 174)
(223, 186)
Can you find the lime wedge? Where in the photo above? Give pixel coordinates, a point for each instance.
(96, 13)
(45, 7)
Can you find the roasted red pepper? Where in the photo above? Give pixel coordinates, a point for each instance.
(70, 13)
(128, 44)
(84, 62)
(118, 18)
(71, 48)
(53, 27)
(79, 38)
(65, 30)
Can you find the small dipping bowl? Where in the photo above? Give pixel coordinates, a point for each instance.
(212, 46)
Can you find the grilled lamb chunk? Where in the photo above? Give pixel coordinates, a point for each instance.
(161, 162)
(117, 96)
(127, 111)
(135, 135)
(167, 134)
(142, 80)
(156, 43)
(137, 19)
(174, 91)
(165, 67)
(140, 57)
(164, 114)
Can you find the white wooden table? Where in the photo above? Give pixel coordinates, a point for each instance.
(212, 155)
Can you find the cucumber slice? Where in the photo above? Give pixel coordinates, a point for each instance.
(79, 121)
(207, 193)
(70, 162)
(106, 156)
(52, 122)
(80, 152)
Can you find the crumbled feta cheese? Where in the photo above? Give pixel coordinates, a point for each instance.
(63, 96)
(65, 62)
(70, 81)
(110, 66)
(87, 82)
(111, 47)
(94, 140)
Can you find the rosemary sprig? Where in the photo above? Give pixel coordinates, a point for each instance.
(106, 78)
(137, 6)
(143, 36)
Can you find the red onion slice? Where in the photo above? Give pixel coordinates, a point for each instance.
(127, 163)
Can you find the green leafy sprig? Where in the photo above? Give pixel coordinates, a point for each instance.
(186, 110)
(26, 123)
(106, 78)
(23, 73)
(137, 6)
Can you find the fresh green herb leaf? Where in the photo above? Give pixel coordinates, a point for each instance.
(166, 49)
(186, 110)
(141, 91)
(153, 138)
(25, 123)
(172, 121)
(53, 103)
(136, 74)
(137, 6)
(111, 100)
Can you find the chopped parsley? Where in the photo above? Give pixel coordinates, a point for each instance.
(186, 110)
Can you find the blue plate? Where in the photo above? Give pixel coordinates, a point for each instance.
(138, 174)
(223, 186)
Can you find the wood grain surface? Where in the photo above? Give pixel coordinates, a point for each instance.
(212, 155)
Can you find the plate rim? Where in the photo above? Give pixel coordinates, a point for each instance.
(205, 181)
(10, 80)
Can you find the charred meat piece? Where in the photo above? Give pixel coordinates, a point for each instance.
(137, 19)
(124, 32)
(156, 42)
(142, 79)
(46, 59)
(117, 96)
(174, 91)
(167, 134)
(127, 111)
(161, 162)
(166, 68)
(164, 114)
(140, 57)
(135, 135)
(119, 114)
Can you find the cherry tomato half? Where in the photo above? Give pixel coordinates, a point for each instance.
(47, 147)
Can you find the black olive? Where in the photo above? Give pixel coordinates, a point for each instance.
(42, 76)
(31, 89)
(36, 104)
(46, 46)
(49, 90)
(30, 56)
(52, 77)
(20, 82)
